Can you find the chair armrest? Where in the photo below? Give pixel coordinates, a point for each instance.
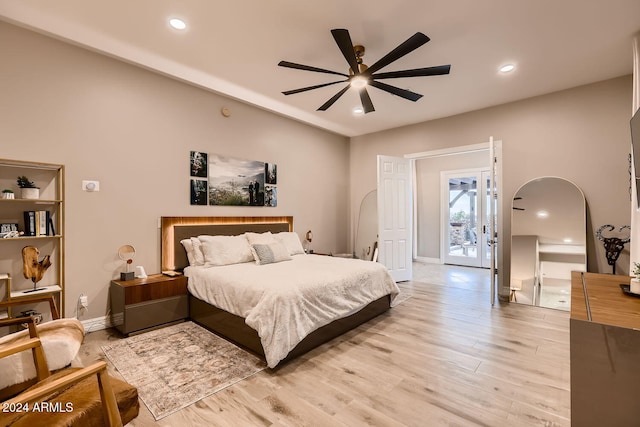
(109, 404)
(30, 300)
(18, 347)
(30, 321)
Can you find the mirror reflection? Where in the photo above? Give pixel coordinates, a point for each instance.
(367, 232)
(548, 241)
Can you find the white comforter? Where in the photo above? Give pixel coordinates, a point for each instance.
(286, 301)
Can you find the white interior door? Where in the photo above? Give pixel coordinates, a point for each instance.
(467, 217)
(394, 216)
(492, 220)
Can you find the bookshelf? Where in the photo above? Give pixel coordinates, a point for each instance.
(49, 239)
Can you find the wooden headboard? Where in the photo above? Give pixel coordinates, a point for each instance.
(176, 228)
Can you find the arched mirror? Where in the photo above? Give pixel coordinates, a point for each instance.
(367, 233)
(548, 241)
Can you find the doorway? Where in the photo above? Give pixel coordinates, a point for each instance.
(466, 217)
(428, 230)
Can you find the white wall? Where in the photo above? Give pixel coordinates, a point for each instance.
(132, 130)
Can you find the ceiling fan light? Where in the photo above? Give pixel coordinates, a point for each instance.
(359, 82)
(177, 23)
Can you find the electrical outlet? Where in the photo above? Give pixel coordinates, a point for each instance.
(84, 301)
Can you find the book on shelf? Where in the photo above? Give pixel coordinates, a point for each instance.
(38, 223)
(51, 228)
(29, 223)
(43, 218)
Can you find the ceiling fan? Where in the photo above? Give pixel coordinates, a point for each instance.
(360, 75)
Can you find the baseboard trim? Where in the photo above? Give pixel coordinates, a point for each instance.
(426, 260)
(98, 323)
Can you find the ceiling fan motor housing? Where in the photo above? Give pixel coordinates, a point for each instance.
(359, 51)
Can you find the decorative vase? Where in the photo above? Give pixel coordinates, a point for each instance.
(7, 195)
(635, 286)
(30, 193)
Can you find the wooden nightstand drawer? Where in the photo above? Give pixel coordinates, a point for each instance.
(153, 313)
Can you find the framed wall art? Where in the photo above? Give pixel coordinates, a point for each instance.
(218, 180)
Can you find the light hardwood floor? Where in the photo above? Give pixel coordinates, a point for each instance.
(444, 357)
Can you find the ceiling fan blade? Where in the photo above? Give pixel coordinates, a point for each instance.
(304, 89)
(308, 68)
(418, 72)
(343, 40)
(333, 99)
(366, 101)
(409, 45)
(406, 94)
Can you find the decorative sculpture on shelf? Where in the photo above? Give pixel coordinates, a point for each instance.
(613, 245)
(32, 268)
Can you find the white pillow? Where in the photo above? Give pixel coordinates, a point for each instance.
(268, 253)
(225, 250)
(291, 241)
(258, 239)
(198, 256)
(194, 251)
(188, 247)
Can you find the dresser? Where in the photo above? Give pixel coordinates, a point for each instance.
(605, 352)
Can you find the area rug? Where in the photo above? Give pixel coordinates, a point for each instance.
(176, 366)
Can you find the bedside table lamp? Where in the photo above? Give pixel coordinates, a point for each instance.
(307, 242)
(127, 253)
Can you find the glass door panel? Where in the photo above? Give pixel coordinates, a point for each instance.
(462, 220)
(466, 230)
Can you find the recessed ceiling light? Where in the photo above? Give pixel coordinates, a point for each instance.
(507, 68)
(358, 110)
(542, 214)
(567, 240)
(178, 24)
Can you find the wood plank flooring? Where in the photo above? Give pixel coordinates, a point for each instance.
(444, 357)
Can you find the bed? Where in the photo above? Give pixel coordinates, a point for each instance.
(233, 300)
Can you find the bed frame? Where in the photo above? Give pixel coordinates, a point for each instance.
(228, 325)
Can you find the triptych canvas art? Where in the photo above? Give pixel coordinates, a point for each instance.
(229, 181)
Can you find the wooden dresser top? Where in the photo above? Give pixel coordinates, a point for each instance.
(598, 298)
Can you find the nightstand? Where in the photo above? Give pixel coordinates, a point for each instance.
(145, 303)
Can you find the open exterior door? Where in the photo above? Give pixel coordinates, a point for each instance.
(395, 216)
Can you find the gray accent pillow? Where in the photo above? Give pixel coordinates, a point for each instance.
(269, 253)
